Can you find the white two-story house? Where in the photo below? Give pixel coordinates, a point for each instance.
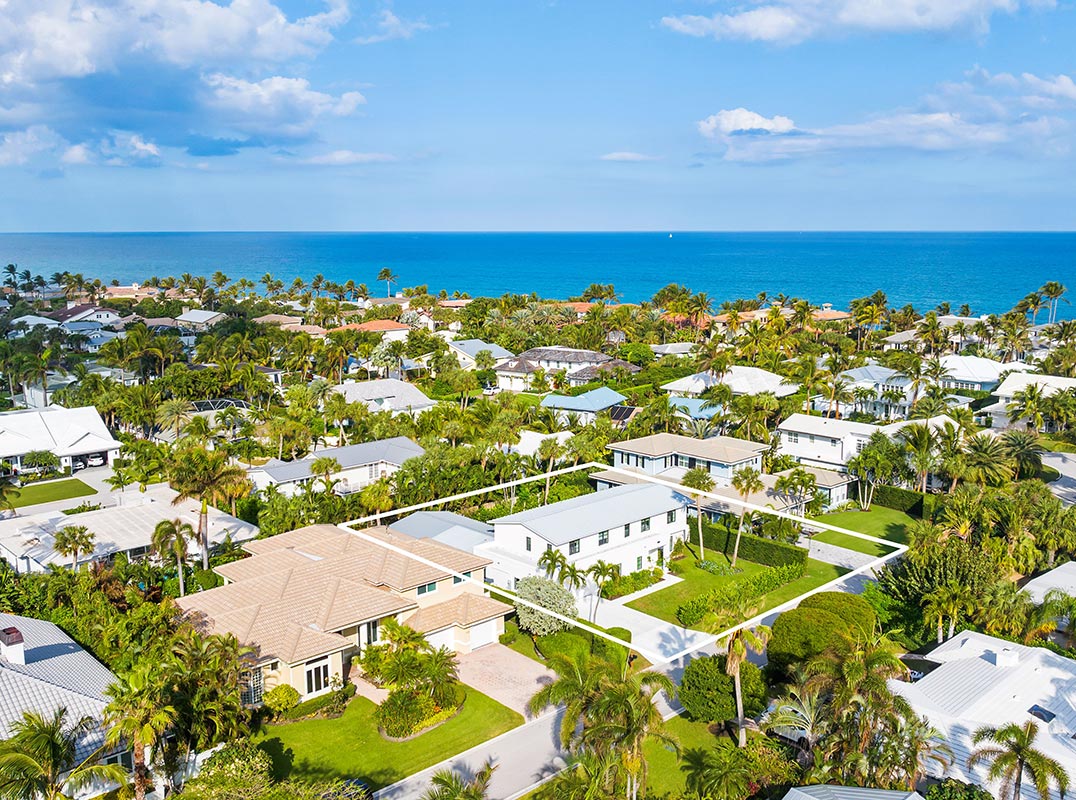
(670, 456)
(633, 527)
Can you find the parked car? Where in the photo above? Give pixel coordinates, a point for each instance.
(96, 461)
(77, 464)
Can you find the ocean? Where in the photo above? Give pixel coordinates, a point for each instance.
(989, 271)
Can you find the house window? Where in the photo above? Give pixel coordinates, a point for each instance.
(639, 563)
(528, 544)
(458, 579)
(603, 537)
(627, 530)
(317, 675)
(428, 588)
(859, 445)
(372, 632)
(573, 547)
(793, 438)
(253, 687)
(644, 526)
(671, 517)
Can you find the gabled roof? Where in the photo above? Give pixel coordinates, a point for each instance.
(277, 319)
(976, 369)
(385, 394)
(375, 326)
(587, 514)
(874, 373)
(1050, 384)
(593, 401)
(825, 426)
(63, 431)
(64, 314)
(446, 527)
(571, 355)
(396, 451)
(57, 673)
(465, 610)
(741, 380)
(723, 449)
(517, 366)
(1062, 577)
(199, 316)
(830, 792)
(472, 347)
(603, 370)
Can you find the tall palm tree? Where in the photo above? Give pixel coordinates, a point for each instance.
(40, 759)
(700, 480)
(1053, 292)
(326, 467)
(602, 572)
(736, 646)
(206, 476)
(389, 278)
(985, 460)
(746, 481)
(138, 715)
(174, 414)
(549, 450)
(171, 537)
(552, 561)
(919, 439)
(1024, 451)
(377, 497)
(71, 540)
(950, 600)
(720, 773)
(571, 577)
(1011, 755)
(579, 681)
(448, 785)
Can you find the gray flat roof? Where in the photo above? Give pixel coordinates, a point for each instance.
(455, 530)
(560, 523)
(393, 451)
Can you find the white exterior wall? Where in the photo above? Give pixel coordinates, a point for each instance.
(512, 561)
(721, 472)
(350, 480)
(513, 382)
(821, 451)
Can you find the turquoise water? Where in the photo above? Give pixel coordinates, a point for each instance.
(990, 271)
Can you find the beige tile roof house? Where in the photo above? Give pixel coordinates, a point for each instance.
(310, 600)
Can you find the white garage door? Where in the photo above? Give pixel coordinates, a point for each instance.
(483, 633)
(445, 638)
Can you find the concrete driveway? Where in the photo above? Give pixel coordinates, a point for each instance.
(648, 633)
(508, 677)
(1065, 486)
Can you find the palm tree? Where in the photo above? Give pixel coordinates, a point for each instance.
(720, 773)
(803, 710)
(746, 482)
(602, 572)
(9, 493)
(700, 480)
(985, 460)
(171, 536)
(377, 497)
(70, 540)
(1024, 452)
(1053, 291)
(552, 561)
(448, 785)
(736, 646)
(571, 577)
(389, 278)
(174, 414)
(919, 439)
(549, 450)
(325, 466)
(40, 759)
(1011, 754)
(952, 600)
(137, 714)
(209, 478)
(580, 678)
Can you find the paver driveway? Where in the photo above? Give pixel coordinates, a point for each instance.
(508, 677)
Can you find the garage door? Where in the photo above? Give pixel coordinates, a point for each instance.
(483, 633)
(445, 638)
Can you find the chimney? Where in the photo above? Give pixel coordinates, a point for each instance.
(12, 649)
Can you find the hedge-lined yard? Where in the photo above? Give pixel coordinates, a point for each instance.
(880, 521)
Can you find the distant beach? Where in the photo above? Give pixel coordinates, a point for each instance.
(990, 271)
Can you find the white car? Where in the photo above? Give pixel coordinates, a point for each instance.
(95, 461)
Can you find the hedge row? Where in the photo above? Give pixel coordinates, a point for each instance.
(632, 582)
(767, 552)
(309, 708)
(924, 506)
(695, 609)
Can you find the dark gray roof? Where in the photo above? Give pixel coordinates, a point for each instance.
(520, 366)
(588, 514)
(568, 354)
(604, 370)
(393, 451)
(455, 530)
(57, 673)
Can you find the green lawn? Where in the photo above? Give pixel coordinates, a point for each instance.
(351, 747)
(665, 777)
(695, 581)
(50, 491)
(882, 522)
(1048, 474)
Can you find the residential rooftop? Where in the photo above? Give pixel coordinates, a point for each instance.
(717, 448)
(591, 402)
(396, 451)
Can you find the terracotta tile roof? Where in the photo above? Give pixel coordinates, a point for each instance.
(375, 326)
(465, 610)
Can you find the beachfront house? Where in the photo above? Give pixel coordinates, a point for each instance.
(386, 394)
(997, 413)
(982, 681)
(466, 352)
(360, 465)
(71, 434)
(310, 601)
(632, 527)
(124, 524)
(583, 408)
(741, 380)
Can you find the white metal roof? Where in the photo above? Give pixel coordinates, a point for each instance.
(63, 431)
(975, 369)
(1049, 384)
(741, 380)
(1062, 577)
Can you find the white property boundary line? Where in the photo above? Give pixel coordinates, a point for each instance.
(656, 659)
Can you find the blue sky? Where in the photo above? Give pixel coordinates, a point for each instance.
(520, 115)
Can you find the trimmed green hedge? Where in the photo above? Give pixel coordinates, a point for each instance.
(695, 609)
(900, 499)
(632, 582)
(767, 552)
(311, 707)
(851, 608)
(800, 634)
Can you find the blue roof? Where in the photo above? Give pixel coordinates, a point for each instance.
(693, 407)
(593, 401)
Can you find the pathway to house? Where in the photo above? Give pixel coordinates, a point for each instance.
(508, 677)
(833, 554)
(1065, 486)
(531, 753)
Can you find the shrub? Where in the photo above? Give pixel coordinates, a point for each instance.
(239, 770)
(899, 499)
(707, 692)
(951, 789)
(402, 712)
(691, 612)
(281, 698)
(206, 579)
(803, 633)
(509, 636)
(373, 661)
(309, 708)
(851, 608)
(717, 568)
(564, 643)
(632, 582)
(767, 552)
(603, 648)
(547, 594)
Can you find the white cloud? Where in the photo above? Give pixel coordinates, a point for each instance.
(792, 21)
(76, 155)
(275, 106)
(1059, 86)
(43, 39)
(390, 26)
(19, 147)
(739, 120)
(127, 149)
(343, 158)
(629, 156)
